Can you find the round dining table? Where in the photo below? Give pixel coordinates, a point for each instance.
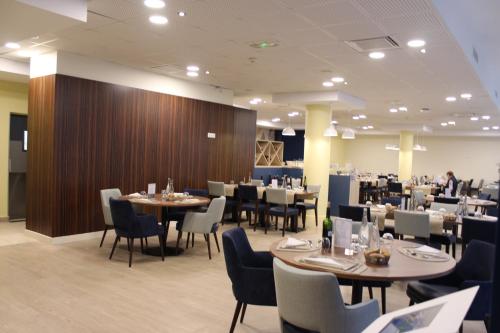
(164, 205)
(400, 267)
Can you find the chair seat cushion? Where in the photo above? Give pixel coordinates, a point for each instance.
(305, 205)
(280, 211)
(251, 206)
(420, 291)
(231, 203)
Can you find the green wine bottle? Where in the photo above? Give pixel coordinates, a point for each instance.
(327, 225)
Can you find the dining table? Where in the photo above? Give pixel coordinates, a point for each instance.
(163, 205)
(401, 267)
(471, 201)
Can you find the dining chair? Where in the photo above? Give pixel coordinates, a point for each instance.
(106, 194)
(205, 223)
(216, 189)
(278, 198)
(354, 213)
(256, 182)
(312, 301)
(131, 226)
(251, 273)
(476, 228)
(305, 205)
(484, 196)
(382, 186)
(394, 201)
(449, 207)
(249, 202)
(438, 199)
(410, 223)
(395, 188)
(474, 269)
(419, 197)
(492, 211)
(196, 191)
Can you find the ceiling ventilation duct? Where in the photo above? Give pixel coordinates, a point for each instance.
(373, 44)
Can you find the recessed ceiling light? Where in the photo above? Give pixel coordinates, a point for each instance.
(474, 118)
(181, 13)
(495, 127)
(451, 99)
(338, 79)
(444, 124)
(345, 82)
(11, 45)
(416, 43)
(355, 117)
(485, 117)
(393, 110)
(362, 116)
(334, 122)
(207, 72)
(291, 114)
(452, 123)
(275, 120)
(158, 19)
(486, 128)
(193, 68)
(365, 127)
(370, 127)
(296, 113)
(466, 96)
(327, 84)
(192, 74)
(423, 51)
(154, 3)
(376, 55)
(403, 109)
(253, 102)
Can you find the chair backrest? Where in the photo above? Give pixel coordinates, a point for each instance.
(460, 187)
(106, 194)
(236, 249)
(354, 213)
(256, 182)
(419, 197)
(395, 187)
(412, 223)
(446, 200)
(492, 211)
(123, 215)
(474, 228)
(314, 188)
(196, 191)
(247, 192)
(484, 196)
(394, 201)
(216, 209)
(216, 189)
(449, 207)
(477, 262)
(276, 196)
(300, 295)
(481, 182)
(382, 182)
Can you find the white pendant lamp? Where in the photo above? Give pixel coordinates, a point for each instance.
(330, 131)
(389, 146)
(288, 131)
(348, 134)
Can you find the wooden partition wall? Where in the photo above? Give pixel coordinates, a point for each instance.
(87, 135)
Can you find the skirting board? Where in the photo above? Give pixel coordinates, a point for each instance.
(4, 219)
(65, 239)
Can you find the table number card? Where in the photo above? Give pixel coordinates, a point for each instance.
(342, 233)
(274, 183)
(151, 189)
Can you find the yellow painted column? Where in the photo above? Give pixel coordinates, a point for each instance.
(337, 153)
(405, 155)
(317, 151)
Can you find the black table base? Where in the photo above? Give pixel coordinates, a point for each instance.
(168, 251)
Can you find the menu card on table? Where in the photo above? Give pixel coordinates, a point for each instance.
(274, 183)
(342, 233)
(151, 189)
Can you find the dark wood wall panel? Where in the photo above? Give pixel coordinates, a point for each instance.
(107, 136)
(40, 177)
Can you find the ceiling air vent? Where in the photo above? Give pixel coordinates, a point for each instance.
(373, 44)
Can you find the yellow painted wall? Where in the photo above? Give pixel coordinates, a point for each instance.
(13, 99)
(317, 151)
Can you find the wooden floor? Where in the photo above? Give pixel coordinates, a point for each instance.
(75, 288)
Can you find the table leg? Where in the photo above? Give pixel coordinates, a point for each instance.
(168, 250)
(357, 292)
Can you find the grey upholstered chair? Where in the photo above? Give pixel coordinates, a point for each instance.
(460, 186)
(216, 189)
(312, 301)
(278, 197)
(415, 224)
(204, 223)
(257, 182)
(419, 197)
(106, 194)
(450, 208)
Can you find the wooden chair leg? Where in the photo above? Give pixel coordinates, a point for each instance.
(114, 246)
(131, 250)
(243, 312)
(160, 238)
(255, 224)
(142, 245)
(216, 241)
(208, 245)
(370, 291)
(285, 221)
(235, 316)
(103, 235)
(239, 217)
(146, 239)
(255, 219)
(383, 299)
(453, 249)
(316, 215)
(187, 242)
(192, 239)
(179, 236)
(128, 244)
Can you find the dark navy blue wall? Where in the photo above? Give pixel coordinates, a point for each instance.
(265, 172)
(294, 145)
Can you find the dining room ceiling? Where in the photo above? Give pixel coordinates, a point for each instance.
(305, 46)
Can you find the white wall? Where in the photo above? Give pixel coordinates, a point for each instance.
(468, 157)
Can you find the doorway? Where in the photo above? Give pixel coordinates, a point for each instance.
(18, 147)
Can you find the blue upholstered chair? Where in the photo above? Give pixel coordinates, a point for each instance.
(305, 205)
(475, 269)
(251, 273)
(446, 200)
(354, 213)
(492, 211)
(473, 228)
(196, 191)
(394, 201)
(484, 196)
(132, 226)
(249, 202)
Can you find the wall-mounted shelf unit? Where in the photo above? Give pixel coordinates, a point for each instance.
(268, 153)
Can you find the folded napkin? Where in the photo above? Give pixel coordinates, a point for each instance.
(330, 262)
(190, 200)
(381, 206)
(427, 249)
(294, 242)
(135, 195)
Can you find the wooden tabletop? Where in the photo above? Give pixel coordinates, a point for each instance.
(400, 267)
(192, 201)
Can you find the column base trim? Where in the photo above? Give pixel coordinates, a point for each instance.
(4, 219)
(64, 239)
